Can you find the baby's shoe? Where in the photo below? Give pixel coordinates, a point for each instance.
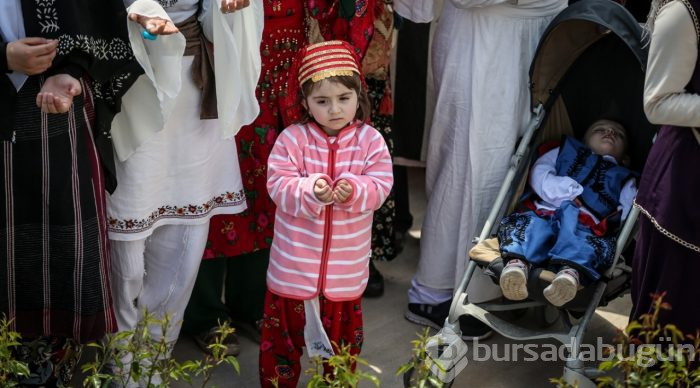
(563, 287)
(513, 280)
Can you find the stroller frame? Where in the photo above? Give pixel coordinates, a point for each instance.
(593, 20)
(575, 373)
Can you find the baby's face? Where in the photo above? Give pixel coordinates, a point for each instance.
(606, 137)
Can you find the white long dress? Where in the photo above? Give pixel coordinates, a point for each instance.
(182, 172)
(481, 56)
(175, 171)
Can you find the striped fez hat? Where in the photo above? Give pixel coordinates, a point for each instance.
(327, 59)
(317, 62)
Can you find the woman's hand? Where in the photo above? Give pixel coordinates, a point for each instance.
(228, 6)
(154, 25)
(57, 92)
(31, 55)
(342, 191)
(323, 191)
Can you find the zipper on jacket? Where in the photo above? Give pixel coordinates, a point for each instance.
(328, 227)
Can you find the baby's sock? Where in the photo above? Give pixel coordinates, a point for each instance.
(513, 280)
(563, 287)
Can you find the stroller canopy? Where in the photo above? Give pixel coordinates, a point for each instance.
(574, 31)
(590, 64)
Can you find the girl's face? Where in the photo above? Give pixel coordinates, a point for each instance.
(332, 105)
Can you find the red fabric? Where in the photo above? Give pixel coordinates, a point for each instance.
(357, 31)
(599, 229)
(547, 146)
(332, 54)
(282, 336)
(283, 35)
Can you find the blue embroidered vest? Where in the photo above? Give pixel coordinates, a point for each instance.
(602, 180)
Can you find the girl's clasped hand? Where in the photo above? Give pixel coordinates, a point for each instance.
(339, 194)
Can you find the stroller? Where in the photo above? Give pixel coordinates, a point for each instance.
(589, 62)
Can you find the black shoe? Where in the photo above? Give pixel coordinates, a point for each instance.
(434, 316)
(427, 314)
(208, 338)
(473, 329)
(375, 284)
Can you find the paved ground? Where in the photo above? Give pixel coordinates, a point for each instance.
(388, 334)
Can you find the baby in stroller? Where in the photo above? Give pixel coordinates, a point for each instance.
(580, 193)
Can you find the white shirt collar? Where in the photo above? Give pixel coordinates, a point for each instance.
(610, 158)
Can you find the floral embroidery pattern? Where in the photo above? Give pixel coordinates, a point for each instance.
(47, 15)
(174, 211)
(108, 90)
(101, 49)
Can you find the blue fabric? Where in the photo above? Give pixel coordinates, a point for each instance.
(556, 240)
(528, 236)
(602, 180)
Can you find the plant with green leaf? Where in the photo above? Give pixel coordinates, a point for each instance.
(137, 356)
(217, 357)
(10, 368)
(345, 370)
(650, 355)
(654, 355)
(417, 370)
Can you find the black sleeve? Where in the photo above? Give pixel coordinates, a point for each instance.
(75, 64)
(3, 58)
(72, 69)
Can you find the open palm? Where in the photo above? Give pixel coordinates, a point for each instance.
(57, 92)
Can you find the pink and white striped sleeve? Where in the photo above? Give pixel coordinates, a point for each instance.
(292, 192)
(371, 188)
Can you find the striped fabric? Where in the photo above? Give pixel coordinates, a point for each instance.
(319, 247)
(53, 243)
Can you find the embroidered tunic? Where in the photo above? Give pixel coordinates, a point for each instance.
(554, 188)
(601, 179)
(184, 172)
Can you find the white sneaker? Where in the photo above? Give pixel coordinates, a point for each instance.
(513, 280)
(563, 288)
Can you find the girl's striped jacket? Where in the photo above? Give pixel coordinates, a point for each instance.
(325, 247)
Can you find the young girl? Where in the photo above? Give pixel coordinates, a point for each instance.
(327, 175)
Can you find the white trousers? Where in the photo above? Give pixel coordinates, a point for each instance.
(156, 274)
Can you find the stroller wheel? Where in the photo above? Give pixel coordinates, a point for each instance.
(410, 380)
